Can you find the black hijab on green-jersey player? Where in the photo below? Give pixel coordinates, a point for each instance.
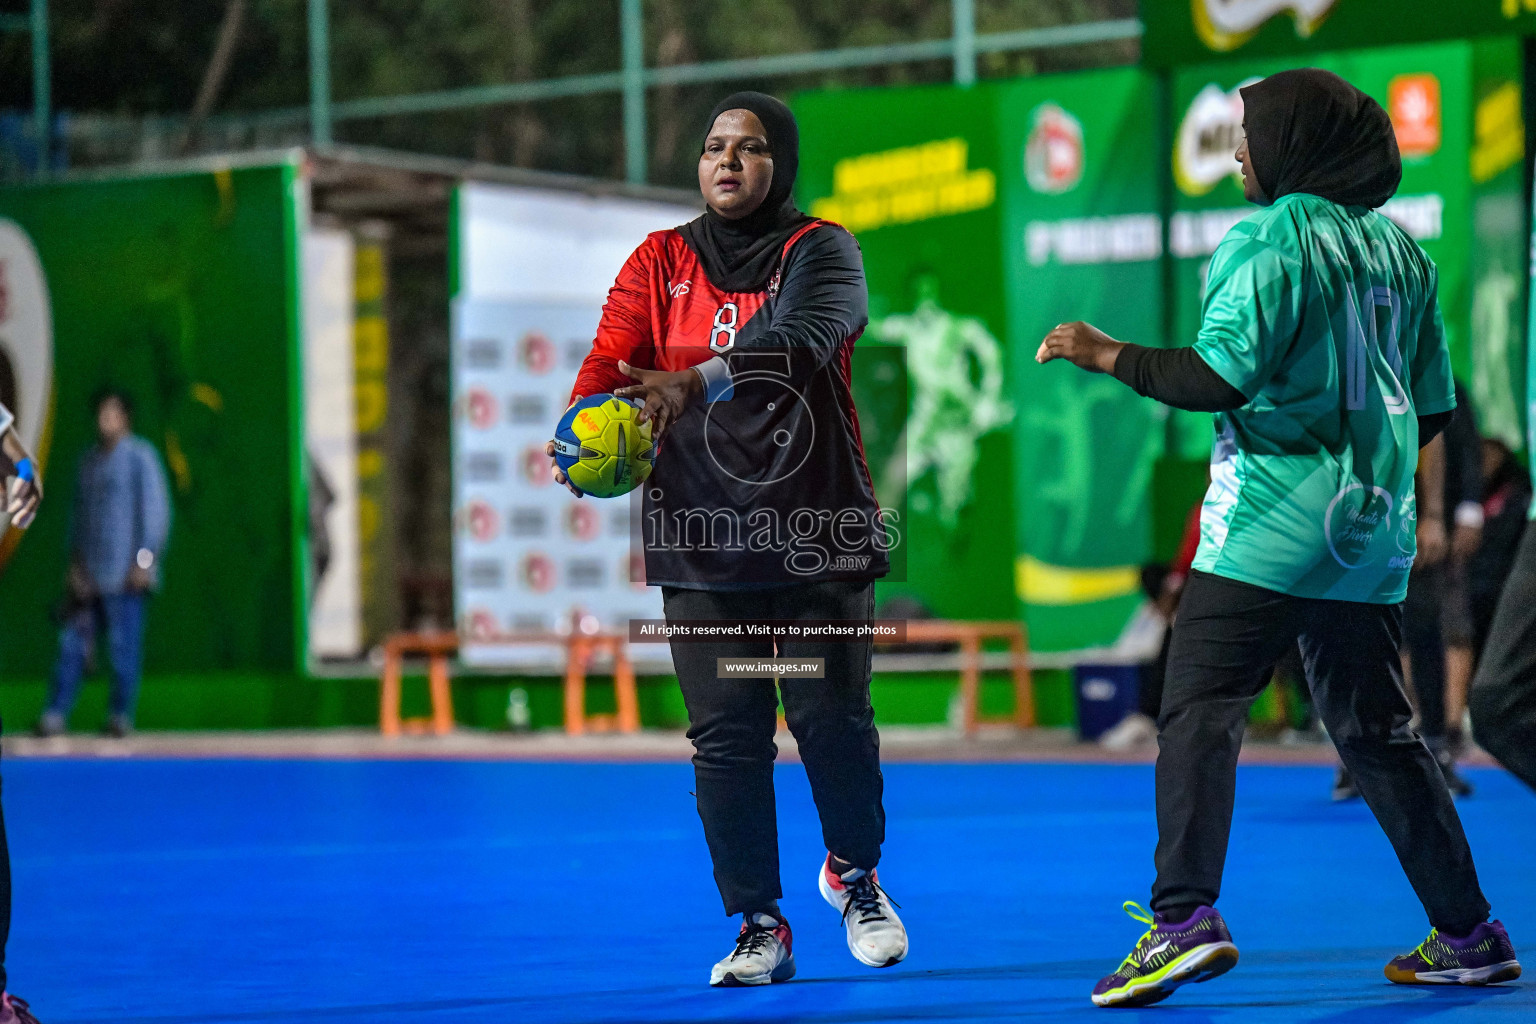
(1311, 131)
(741, 255)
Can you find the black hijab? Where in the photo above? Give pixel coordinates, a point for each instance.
(741, 255)
(1310, 131)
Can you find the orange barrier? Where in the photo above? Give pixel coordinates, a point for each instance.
(580, 647)
(437, 647)
(579, 651)
(969, 636)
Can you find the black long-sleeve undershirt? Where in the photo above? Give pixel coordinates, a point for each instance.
(1178, 377)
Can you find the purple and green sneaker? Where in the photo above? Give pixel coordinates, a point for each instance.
(1168, 956)
(1486, 957)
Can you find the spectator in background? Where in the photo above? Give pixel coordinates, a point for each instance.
(1437, 628)
(117, 532)
(1163, 584)
(1506, 505)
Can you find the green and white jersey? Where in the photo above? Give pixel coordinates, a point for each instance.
(1326, 318)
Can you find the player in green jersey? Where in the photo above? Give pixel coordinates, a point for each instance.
(1322, 352)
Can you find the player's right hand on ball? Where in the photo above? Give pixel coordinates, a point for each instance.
(555, 471)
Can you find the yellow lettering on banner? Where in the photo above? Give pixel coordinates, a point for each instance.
(370, 344)
(1039, 583)
(367, 516)
(370, 273)
(899, 186)
(372, 404)
(1499, 132)
(370, 463)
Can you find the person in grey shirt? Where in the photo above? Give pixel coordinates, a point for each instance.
(117, 532)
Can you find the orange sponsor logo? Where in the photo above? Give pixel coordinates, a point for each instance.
(1413, 101)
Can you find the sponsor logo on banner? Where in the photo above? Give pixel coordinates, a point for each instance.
(482, 354)
(529, 522)
(483, 573)
(480, 407)
(536, 352)
(1205, 148)
(526, 409)
(480, 624)
(538, 572)
(536, 466)
(633, 569)
(1053, 153)
(1413, 101)
(1225, 25)
(582, 520)
(584, 572)
(480, 520)
(483, 467)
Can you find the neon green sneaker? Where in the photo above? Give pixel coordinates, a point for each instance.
(1167, 956)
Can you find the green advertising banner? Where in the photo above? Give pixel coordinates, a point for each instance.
(181, 291)
(914, 174)
(1437, 102)
(1191, 31)
(1497, 339)
(1082, 240)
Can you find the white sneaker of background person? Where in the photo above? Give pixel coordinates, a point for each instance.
(764, 953)
(1134, 730)
(876, 936)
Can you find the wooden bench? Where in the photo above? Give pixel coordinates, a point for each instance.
(580, 648)
(969, 635)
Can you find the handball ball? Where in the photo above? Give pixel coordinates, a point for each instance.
(601, 449)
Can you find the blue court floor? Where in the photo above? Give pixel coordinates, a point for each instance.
(312, 891)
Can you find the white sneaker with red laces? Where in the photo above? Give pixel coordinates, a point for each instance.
(764, 953)
(876, 936)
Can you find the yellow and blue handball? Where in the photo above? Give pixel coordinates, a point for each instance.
(601, 449)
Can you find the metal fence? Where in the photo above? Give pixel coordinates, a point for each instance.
(314, 122)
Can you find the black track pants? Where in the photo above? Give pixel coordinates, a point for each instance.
(732, 723)
(1227, 637)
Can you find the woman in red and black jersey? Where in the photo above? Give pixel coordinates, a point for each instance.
(739, 328)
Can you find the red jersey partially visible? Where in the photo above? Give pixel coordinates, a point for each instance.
(767, 485)
(663, 314)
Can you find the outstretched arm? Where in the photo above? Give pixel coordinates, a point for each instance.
(1175, 376)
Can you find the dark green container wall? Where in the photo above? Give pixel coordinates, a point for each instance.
(1081, 240)
(960, 569)
(180, 290)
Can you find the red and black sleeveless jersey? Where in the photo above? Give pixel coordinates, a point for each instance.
(766, 484)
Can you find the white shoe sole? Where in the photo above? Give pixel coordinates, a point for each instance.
(1200, 964)
(730, 979)
(837, 905)
(1509, 970)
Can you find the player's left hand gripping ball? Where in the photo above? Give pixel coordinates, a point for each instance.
(602, 448)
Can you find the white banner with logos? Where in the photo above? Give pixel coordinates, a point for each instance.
(330, 442)
(534, 267)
